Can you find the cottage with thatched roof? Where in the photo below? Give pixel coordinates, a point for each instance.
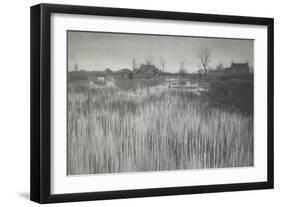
(124, 73)
(108, 71)
(108, 74)
(147, 71)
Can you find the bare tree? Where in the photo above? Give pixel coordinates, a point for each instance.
(76, 67)
(134, 64)
(200, 71)
(205, 58)
(220, 67)
(162, 64)
(182, 69)
(148, 60)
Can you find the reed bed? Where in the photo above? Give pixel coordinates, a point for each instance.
(112, 130)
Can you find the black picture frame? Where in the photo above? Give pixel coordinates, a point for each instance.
(40, 184)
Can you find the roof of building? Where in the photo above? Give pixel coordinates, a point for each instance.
(124, 70)
(147, 68)
(241, 66)
(108, 71)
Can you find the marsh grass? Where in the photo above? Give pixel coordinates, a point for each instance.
(111, 130)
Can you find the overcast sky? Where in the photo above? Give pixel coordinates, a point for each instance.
(98, 51)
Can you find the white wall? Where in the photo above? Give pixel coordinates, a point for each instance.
(14, 103)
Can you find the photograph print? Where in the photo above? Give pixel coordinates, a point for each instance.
(147, 102)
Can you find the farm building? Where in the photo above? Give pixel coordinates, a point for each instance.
(147, 71)
(124, 74)
(238, 68)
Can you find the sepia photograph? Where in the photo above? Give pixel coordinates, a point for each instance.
(150, 102)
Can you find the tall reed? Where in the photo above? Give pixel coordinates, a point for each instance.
(112, 130)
